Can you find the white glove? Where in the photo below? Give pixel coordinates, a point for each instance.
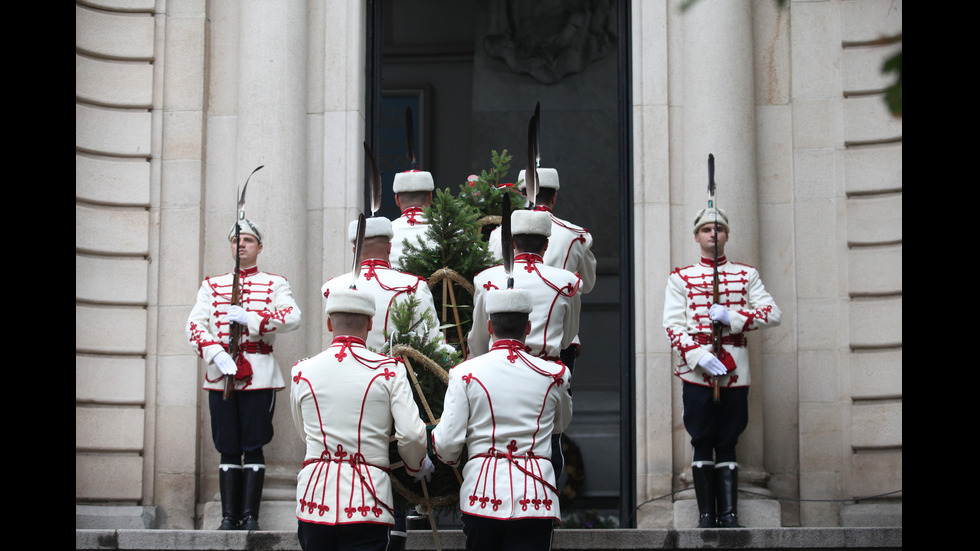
(425, 471)
(237, 314)
(712, 365)
(717, 312)
(225, 364)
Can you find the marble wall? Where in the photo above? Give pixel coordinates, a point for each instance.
(178, 101)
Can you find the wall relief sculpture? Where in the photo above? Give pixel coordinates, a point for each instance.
(550, 39)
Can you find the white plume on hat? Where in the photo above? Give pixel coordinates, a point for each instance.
(530, 222)
(413, 180)
(708, 216)
(547, 178)
(503, 301)
(376, 226)
(351, 301)
(245, 226)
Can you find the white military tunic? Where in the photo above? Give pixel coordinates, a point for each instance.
(389, 287)
(271, 310)
(556, 305)
(410, 225)
(569, 248)
(688, 326)
(504, 406)
(345, 403)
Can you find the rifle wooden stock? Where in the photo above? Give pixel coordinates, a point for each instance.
(234, 332)
(234, 329)
(716, 348)
(716, 335)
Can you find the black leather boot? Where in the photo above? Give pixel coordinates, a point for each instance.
(230, 484)
(396, 542)
(703, 473)
(398, 534)
(726, 494)
(254, 478)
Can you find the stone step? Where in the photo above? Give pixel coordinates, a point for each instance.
(453, 540)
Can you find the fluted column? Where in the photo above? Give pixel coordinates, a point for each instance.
(719, 116)
(719, 119)
(257, 116)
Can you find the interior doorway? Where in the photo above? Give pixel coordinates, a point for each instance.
(473, 72)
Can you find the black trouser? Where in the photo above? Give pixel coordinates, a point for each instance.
(567, 356)
(492, 534)
(348, 537)
(715, 429)
(242, 424)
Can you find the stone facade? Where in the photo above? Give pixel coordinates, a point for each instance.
(178, 101)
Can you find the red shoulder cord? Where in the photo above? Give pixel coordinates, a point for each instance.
(580, 231)
(532, 261)
(412, 213)
(373, 263)
(349, 343)
(516, 351)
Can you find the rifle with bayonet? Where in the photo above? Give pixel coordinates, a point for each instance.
(234, 329)
(507, 240)
(537, 135)
(358, 250)
(410, 139)
(374, 195)
(716, 326)
(374, 181)
(531, 172)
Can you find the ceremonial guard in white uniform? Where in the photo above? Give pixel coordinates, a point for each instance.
(555, 292)
(346, 402)
(569, 246)
(504, 406)
(388, 286)
(744, 305)
(413, 192)
(242, 425)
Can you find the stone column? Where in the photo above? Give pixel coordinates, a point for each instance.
(652, 25)
(257, 116)
(180, 100)
(719, 118)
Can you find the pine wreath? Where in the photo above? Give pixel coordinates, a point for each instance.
(428, 362)
(485, 193)
(455, 251)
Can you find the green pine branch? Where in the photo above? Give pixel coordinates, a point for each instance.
(456, 242)
(485, 194)
(411, 326)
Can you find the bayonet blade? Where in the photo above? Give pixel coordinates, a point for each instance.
(374, 181)
(358, 250)
(241, 199)
(410, 138)
(711, 180)
(507, 240)
(530, 174)
(537, 134)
